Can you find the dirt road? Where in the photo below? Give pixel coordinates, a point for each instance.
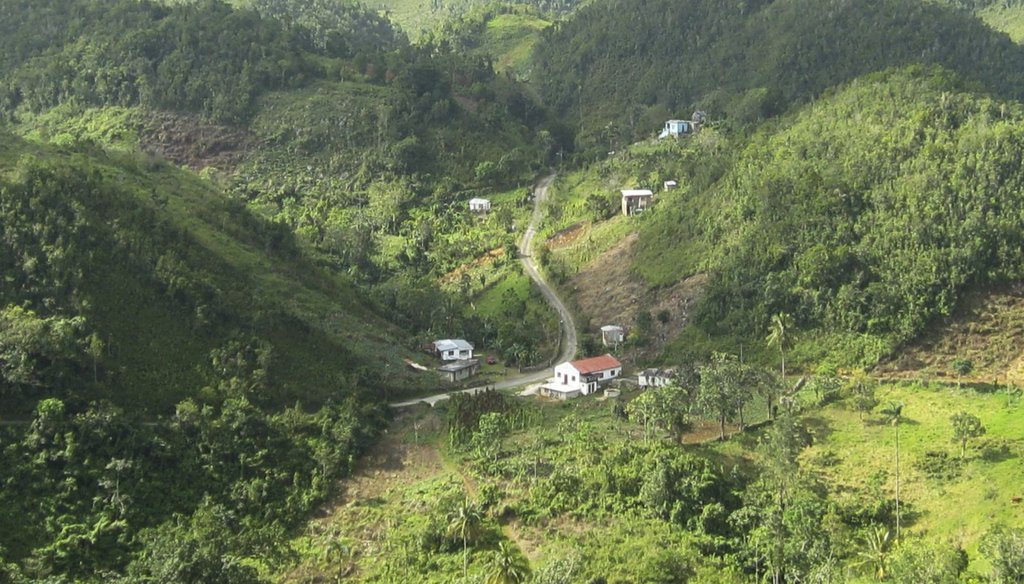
(567, 325)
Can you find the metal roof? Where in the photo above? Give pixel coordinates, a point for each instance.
(602, 363)
(453, 345)
(637, 193)
(458, 366)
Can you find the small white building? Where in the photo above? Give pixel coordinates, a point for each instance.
(656, 377)
(636, 201)
(670, 185)
(677, 128)
(479, 205)
(459, 370)
(582, 377)
(453, 349)
(612, 335)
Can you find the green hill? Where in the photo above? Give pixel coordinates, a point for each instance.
(126, 278)
(866, 215)
(622, 77)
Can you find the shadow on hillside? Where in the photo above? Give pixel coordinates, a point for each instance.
(818, 427)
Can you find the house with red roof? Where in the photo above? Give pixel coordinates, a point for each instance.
(582, 377)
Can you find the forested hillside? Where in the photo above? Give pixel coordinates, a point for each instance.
(202, 355)
(865, 216)
(109, 259)
(620, 77)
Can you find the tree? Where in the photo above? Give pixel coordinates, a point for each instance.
(779, 335)
(875, 554)
(1004, 549)
(94, 349)
(863, 388)
(784, 509)
(663, 407)
(917, 561)
(962, 367)
(486, 440)
(965, 427)
(720, 393)
(191, 549)
(507, 567)
(465, 523)
(894, 414)
(824, 387)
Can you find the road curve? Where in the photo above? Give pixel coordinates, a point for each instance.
(566, 322)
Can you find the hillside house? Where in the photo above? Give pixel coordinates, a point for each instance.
(582, 377)
(479, 205)
(459, 370)
(453, 349)
(656, 377)
(612, 335)
(636, 201)
(677, 128)
(670, 185)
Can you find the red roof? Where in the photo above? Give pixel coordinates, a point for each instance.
(596, 364)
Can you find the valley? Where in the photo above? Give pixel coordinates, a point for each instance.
(616, 291)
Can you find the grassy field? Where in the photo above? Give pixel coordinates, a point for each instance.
(1008, 19)
(960, 509)
(510, 38)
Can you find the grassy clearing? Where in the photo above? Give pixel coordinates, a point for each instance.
(114, 127)
(962, 508)
(510, 38)
(1008, 19)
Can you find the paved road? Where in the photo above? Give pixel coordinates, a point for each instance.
(567, 324)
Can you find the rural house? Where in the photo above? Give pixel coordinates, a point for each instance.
(479, 205)
(677, 128)
(459, 370)
(582, 377)
(612, 335)
(636, 201)
(453, 349)
(670, 185)
(656, 377)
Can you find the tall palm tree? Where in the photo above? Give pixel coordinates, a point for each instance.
(465, 523)
(780, 334)
(894, 414)
(507, 567)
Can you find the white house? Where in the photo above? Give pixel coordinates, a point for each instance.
(636, 200)
(582, 377)
(479, 205)
(677, 128)
(453, 350)
(670, 185)
(656, 377)
(459, 370)
(612, 335)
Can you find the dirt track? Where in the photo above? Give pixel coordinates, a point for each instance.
(569, 340)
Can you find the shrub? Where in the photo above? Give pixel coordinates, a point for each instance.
(939, 465)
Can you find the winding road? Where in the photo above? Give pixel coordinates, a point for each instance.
(567, 325)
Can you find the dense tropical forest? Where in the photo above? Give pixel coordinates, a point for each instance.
(229, 229)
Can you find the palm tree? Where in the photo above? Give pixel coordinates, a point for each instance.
(779, 334)
(465, 523)
(508, 567)
(894, 414)
(876, 551)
